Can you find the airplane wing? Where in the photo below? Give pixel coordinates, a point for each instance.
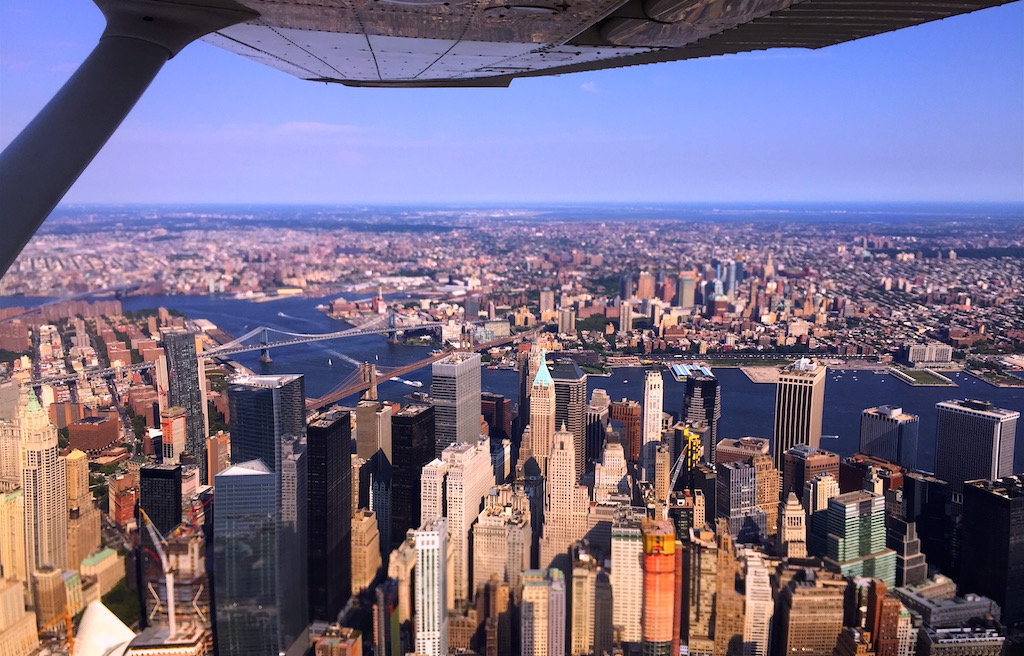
(431, 43)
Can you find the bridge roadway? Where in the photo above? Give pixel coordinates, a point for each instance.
(357, 386)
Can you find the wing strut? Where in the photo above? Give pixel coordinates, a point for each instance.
(42, 162)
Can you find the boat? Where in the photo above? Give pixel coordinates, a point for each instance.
(330, 363)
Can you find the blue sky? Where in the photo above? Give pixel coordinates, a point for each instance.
(934, 112)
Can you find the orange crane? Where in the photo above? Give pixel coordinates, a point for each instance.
(66, 616)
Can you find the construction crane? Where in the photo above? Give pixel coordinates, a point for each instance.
(66, 617)
(165, 565)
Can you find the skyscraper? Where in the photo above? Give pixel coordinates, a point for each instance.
(570, 405)
(596, 420)
(543, 407)
(889, 433)
(590, 604)
(659, 565)
(83, 515)
(803, 462)
(654, 401)
(685, 290)
(817, 493)
(855, 544)
(466, 484)
(44, 483)
(187, 389)
(973, 440)
(250, 579)
(702, 402)
(799, 400)
(792, 532)
(627, 578)
(625, 316)
(542, 613)
(328, 449)
(455, 390)
(501, 545)
(264, 411)
(12, 537)
(993, 535)
(701, 590)
(412, 432)
(431, 588)
(630, 415)
(759, 605)
(565, 507)
(809, 615)
(160, 495)
(737, 501)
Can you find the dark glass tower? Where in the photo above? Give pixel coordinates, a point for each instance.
(702, 402)
(264, 411)
(412, 439)
(160, 495)
(184, 391)
(328, 449)
(993, 536)
(571, 406)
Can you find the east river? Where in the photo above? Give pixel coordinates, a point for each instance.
(747, 407)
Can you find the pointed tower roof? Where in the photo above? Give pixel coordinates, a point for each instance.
(543, 375)
(33, 402)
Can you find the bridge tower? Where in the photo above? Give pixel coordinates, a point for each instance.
(264, 350)
(392, 326)
(368, 375)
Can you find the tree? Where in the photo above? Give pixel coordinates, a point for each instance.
(139, 426)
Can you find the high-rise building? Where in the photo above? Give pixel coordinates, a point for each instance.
(817, 493)
(173, 434)
(44, 483)
(431, 616)
(83, 515)
(413, 444)
(610, 475)
(497, 412)
(329, 533)
(701, 590)
(645, 285)
(855, 544)
(759, 606)
(799, 401)
(630, 415)
(160, 495)
(218, 453)
(901, 537)
(993, 535)
(883, 619)
(455, 390)
(264, 412)
(792, 531)
(570, 406)
(736, 490)
(468, 479)
(627, 579)
(17, 627)
(542, 613)
(659, 565)
(927, 503)
(12, 537)
(729, 450)
(803, 462)
(973, 440)
(590, 604)
(596, 420)
(625, 316)
(809, 615)
(373, 429)
(888, 432)
(686, 287)
(729, 610)
(547, 301)
(254, 585)
(501, 545)
(702, 402)
(186, 388)
(366, 560)
(766, 478)
(543, 409)
(654, 402)
(565, 507)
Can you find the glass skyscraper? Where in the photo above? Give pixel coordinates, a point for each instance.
(455, 390)
(185, 390)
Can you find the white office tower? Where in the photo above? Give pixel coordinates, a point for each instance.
(590, 606)
(760, 607)
(610, 475)
(501, 545)
(542, 613)
(468, 481)
(431, 580)
(455, 390)
(654, 402)
(44, 482)
(432, 482)
(566, 505)
(627, 578)
(542, 419)
(792, 529)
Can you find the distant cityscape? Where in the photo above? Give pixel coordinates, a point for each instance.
(504, 433)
